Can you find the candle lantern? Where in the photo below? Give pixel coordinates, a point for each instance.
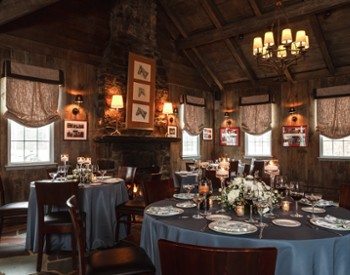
(285, 206)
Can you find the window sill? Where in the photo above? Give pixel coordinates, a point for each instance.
(333, 158)
(30, 166)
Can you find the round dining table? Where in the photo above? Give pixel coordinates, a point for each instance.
(303, 248)
(97, 201)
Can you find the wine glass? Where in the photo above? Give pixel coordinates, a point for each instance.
(198, 199)
(102, 173)
(222, 173)
(62, 171)
(281, 185)
(313, 198)
(297, 194)
(53, 175)
(261, 204)
(249, 198)
(188, 187)
(94, 169)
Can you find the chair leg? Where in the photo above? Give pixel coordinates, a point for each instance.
(39, 259)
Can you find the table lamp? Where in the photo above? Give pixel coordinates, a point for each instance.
(117, 102)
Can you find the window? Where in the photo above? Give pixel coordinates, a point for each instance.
(334, 148)
(190, 145)
(28, 146)
(258, 145)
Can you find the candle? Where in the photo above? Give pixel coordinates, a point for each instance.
(239, 210)
(87, 161)
(285, 205)
(64, 157)
(80, 160)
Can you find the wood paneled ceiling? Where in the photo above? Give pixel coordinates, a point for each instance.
(214, 35)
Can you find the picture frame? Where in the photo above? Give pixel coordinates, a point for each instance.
(229, 136)
(140, 93)
(208, 134)
(172, 131)
(295, 136)
(75, 130)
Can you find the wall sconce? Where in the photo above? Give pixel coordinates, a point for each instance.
(168, 110)
(226, 115)
(117, 102)
(292, 112)
(78, 100)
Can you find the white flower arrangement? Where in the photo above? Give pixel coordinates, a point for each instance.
(238, 188)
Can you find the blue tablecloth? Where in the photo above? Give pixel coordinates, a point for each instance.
(98, 203)
(301, 250)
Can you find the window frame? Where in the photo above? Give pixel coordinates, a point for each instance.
(246, 144)
(11, 164)
(329, 157)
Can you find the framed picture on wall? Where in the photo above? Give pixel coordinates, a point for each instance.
(75, 130)
(294, 136)
(172, 131)
(229, 136)
(140, 93)
(208, 134)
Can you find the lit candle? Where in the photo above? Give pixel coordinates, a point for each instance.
(80, 160)
(64, 157)
(285, 205)
(87, 161)
(239, 210)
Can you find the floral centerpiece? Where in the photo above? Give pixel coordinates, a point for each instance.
(235, 192)
(83, 174)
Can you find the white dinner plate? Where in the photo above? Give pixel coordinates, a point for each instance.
(320, 203)
(186, 204)
(316, 210)
(218, 217)
(164, 211)
(322, 222)
(286, 222)
(232, 227)
(183, 196)
(105, 177)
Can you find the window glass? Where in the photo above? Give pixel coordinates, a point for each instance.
(30, 145)
(190, 145)
(334, 148)
(258, 145)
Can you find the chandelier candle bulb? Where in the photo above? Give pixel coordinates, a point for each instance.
(300, 39)
(257, 45)
(268, 39)
(287, 36)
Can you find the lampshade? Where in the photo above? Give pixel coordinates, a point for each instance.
(117, 101)
(167, 108)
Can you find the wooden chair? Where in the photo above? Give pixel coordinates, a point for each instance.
(153, 190)
(234, 166)
(344, 196)
(51, 195)
(246, 169)
(211, 174)
(127, 173)
(11, 213)
(124, 259)
(186, 259)
(258, 166)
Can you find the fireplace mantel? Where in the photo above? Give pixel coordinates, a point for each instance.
(132, 139)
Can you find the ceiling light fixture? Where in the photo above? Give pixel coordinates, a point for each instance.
(286, 52)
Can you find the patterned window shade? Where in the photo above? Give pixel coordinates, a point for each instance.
(32, 94)
(193, 115)
(333, 108)
(256, 114)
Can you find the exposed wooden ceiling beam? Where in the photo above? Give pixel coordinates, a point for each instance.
(217, 19)
(13, 9)
(316, 28)
(255, 7)
(196, 53)
(254, 24)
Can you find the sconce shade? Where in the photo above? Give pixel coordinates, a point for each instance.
(226, 115)
(292, 110)
(117, 102)
(79, 99)
(167, 108)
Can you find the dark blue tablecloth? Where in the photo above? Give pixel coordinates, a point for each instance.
(301, 250)
(98, 202)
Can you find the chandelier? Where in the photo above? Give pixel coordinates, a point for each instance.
(286, 52)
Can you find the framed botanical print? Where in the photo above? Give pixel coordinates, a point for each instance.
(75, 130)
(172, 131)
(141, 93)
(229, 136)
(208, 134)
(294, 136)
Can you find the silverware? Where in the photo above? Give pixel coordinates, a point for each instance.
(323, 228)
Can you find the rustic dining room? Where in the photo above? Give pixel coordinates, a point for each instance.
(140, 134)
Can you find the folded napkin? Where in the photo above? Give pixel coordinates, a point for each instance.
(231, 227)
(337, 223)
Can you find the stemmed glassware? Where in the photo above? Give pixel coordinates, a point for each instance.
(222, 173)
(261, 204)
(62, 172)
(188, 187)
(297, 194)
(53, 175)
(198, 199)
(102, 173)
(313, 198)
(250, 199)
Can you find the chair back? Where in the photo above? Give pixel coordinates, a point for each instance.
(211, 174)
(258, 165)
(155, 189)
(344, 196)
(246, 169)
(234, 166)
(127, 173)
(213, 260)
(78, 231)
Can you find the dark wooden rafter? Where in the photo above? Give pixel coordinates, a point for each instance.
(316, 28)
(254, 24)
(11, 10)
(217, 19)
(255, 7)
(199, 67)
